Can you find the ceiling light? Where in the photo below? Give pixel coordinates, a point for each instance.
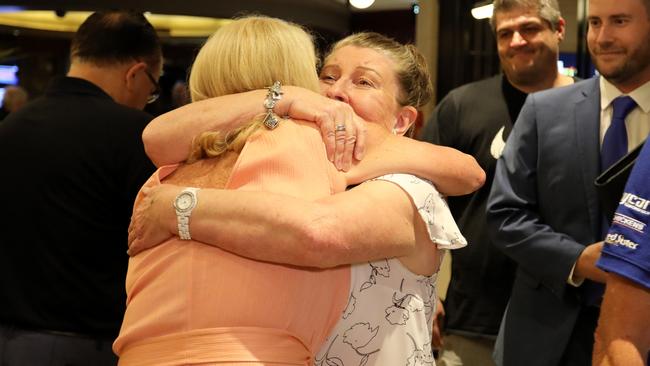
(361, 4)
(167, 25)
(482, 11)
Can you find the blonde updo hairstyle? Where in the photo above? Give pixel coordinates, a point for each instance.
(247, 54)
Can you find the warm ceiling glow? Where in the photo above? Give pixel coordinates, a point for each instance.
(168, 25)
(482, 12)
(186, 26)
(361, 4)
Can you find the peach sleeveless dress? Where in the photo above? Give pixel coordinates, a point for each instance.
(191, 303)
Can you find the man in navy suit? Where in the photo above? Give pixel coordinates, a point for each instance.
(543, 211)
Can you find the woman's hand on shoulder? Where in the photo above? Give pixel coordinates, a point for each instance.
(152, 216)
(343, 132)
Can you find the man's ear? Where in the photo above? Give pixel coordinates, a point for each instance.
(132, 73)
(405, 119)
(561, 28)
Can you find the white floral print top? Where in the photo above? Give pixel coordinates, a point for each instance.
(388, 318)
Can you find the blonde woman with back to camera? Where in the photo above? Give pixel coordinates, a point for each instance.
(195, 301)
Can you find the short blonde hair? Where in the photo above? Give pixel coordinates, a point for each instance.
(247, 54)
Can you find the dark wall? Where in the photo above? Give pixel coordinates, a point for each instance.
(467, 48)
(38, 59)
(397, 24)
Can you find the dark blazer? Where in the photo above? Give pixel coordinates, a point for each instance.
(542, 211)
(73, 161)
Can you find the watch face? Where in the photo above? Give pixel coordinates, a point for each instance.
(184, 201)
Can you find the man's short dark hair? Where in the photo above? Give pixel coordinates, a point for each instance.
(107, 38)
(548, 10)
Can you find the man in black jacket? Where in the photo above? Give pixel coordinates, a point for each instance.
(73, 162)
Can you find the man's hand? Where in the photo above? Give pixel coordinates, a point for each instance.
(438, 321)
(154, 218)
(586, 264)
(344, 133)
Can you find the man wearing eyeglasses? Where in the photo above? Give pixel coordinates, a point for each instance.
(73, 162)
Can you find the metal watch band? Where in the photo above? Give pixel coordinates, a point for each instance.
(183, 213)
(184, 227)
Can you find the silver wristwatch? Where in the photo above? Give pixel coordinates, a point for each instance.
(184, 203)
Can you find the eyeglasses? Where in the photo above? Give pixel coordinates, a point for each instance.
(156, 91)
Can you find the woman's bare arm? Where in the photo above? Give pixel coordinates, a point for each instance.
(374, 220)
(451, 171)
(168, 138)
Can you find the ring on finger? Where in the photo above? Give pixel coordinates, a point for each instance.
(340, 128)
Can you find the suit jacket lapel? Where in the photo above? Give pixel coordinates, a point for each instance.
(588, 138)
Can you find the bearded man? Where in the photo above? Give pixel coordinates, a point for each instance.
(543, 210)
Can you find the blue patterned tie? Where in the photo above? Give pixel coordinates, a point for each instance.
(615, 141)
